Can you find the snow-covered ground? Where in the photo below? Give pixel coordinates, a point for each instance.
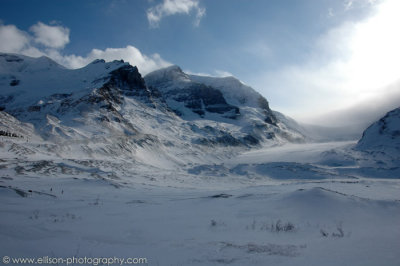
(220, 217)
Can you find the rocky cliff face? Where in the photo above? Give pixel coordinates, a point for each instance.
(201, 99)
(239, 94)
(124, 81)
(202, 95)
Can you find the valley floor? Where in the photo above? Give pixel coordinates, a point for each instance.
(211, 215)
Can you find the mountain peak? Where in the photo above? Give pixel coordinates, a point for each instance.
(24, 79)
(170, 74)
(98, 61)
(204, 94)
(21, 63)
(173, 68)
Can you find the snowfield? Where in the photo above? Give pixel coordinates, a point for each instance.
(178, 218)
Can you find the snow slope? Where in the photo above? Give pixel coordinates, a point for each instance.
(294, 224)
(25, 80)
(383, 135)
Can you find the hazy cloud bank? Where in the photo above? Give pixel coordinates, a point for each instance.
(353, 68)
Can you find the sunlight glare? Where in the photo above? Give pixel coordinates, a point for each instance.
(375, 47)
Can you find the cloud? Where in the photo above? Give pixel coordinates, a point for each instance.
(259, 48)
(216, 73)
(50, 36)
(330, 12)
(129, 54)
(13, 40)
(223, 73)
(173, 7)
(351, 64)
(348, 4)
(47, 40)
(362, 113)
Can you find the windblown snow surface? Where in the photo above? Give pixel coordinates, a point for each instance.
(286, 212)
(88, 190)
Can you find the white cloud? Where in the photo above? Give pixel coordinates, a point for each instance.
(348, 4)
(50, 36)
(223, 73)
(351, 64)
(258, 48)
(173, 7)
(52, 39)
(216, 73)
(330, 12)
(12, 40)
(354, 4)
(362, 113)
(129, 54)
(197, 73)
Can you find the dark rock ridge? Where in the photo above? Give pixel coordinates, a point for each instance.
(270, 117)
(125, 81)
(129, 81)
(200, 98)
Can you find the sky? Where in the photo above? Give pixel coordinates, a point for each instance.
(314, 60)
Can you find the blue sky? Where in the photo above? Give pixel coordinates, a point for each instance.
(307, 57)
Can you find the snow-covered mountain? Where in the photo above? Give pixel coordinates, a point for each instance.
(223, 100)
(206, 96)
(187, 165)
(107, 111)
(383, 135)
